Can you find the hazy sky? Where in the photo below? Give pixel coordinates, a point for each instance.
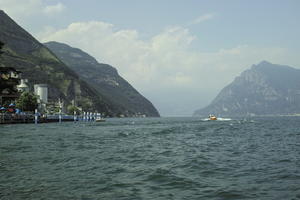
(177, 53)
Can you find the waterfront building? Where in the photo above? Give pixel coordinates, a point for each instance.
(23, 87)
(41, 90)
(9, 79)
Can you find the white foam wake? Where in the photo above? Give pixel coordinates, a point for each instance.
(218, 119)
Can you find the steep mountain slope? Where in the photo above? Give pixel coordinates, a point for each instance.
(38, 64)
(265, 89)
(105, 79)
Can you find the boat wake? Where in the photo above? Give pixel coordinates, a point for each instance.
(224, 119)
(218, 119)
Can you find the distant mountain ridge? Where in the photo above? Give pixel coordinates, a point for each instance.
(39, 65)
(105, 79)
(265, 89)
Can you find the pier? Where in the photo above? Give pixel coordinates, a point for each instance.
(8, 118)
(27, 119)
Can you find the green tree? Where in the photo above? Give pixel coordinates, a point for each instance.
(27, 102)
(71, 109)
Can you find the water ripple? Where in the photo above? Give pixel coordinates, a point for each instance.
(158, 158)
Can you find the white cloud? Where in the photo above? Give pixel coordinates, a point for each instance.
(54, 9)
(165, 66)
(202, 18)
(20, 8)
(25, 8)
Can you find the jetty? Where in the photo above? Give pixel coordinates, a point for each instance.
(7, 118)
(27, 119)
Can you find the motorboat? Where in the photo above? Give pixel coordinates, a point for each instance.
(212, 117)
(99, 119)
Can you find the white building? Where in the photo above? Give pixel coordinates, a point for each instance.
(23, 87)
(41, 90)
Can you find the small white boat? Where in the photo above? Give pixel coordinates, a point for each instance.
(100, 119)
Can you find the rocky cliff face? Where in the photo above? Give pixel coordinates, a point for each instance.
(105, 79)
(39, 65)
(265, 89)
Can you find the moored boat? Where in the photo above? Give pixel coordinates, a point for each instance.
(100, 119)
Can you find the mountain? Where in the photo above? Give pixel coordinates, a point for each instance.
(265, 89)
(39, 65)
(105, 79)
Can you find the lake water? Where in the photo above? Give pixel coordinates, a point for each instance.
(155, 158)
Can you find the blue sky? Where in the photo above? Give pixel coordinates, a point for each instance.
(170, 49)
(267, 22)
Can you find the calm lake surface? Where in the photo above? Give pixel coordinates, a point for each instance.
(155, 158)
